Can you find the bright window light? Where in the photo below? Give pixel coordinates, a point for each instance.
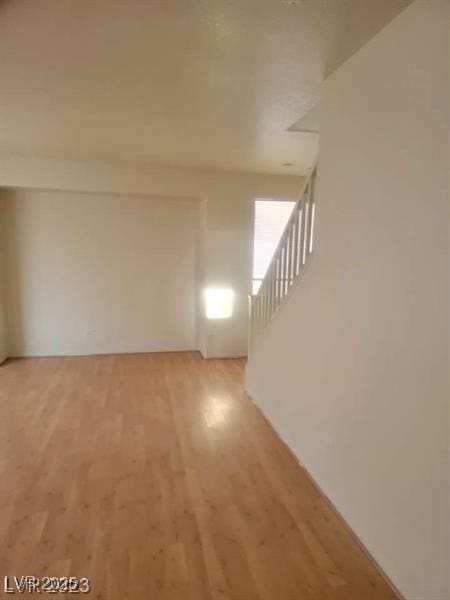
(271, 217)
(219, 303)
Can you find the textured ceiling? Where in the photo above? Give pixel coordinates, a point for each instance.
(210, 83)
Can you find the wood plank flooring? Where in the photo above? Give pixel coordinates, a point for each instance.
(155, 476)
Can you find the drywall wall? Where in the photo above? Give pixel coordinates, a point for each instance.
(353, 371)
(226, 234)
(228, 251)
(3, 347)
(91, 273)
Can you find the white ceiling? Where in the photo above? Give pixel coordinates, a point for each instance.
(210, 83)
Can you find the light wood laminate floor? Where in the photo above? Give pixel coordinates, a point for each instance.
(156, 477)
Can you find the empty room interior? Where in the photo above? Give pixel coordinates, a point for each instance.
(224, 293)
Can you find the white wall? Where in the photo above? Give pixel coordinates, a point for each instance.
(91, 273)
(228, 248)
(353, 372)
(226, 201)
(3, 351)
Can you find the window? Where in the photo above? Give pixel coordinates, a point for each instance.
(271, 217)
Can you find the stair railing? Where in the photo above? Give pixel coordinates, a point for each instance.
(287, 264)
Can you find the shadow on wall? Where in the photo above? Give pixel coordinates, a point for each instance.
(14, 280)
(96, 274)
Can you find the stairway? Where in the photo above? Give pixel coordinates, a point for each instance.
(288, 263)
